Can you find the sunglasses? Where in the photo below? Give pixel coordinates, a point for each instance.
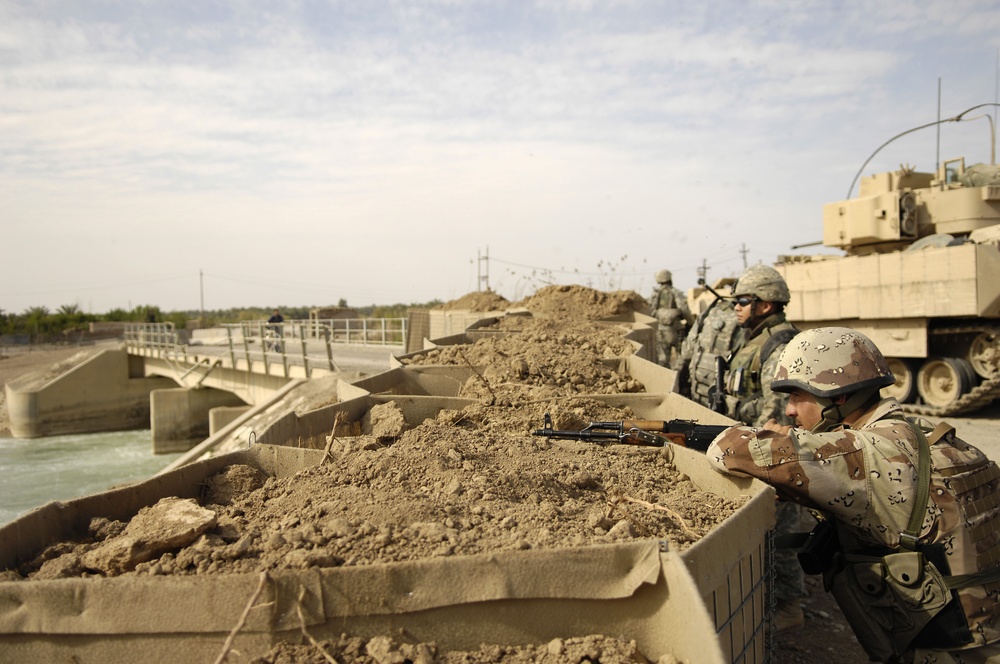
(743, 301)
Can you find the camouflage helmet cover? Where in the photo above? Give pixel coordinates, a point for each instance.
(830, 361)
(763, 282)
(664, 277)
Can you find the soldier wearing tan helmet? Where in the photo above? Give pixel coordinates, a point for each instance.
(909, 543)
(669, 307)
(759, 299)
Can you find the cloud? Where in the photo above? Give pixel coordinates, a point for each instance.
(215, 133)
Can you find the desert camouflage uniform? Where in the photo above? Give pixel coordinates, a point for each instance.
(713, 335)
(669, 306)
(865, 478)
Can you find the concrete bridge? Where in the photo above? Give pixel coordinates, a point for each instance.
(184, 386)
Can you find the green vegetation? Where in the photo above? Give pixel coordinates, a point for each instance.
(69, 323)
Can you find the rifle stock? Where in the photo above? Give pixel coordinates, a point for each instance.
(686, 433)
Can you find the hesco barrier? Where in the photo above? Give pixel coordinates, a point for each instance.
(704, 604)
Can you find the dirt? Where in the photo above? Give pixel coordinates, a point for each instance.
(477, 301)
(470, 481)
(579, 302)
(384, 649)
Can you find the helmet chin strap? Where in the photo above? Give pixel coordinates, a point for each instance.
(833, 414)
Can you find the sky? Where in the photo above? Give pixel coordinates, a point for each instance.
(203, 154)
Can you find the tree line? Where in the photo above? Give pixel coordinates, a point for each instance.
(45, 326)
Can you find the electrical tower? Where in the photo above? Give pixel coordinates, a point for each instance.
(484, 273)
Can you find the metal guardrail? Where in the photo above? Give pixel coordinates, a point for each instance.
(270, 349)
(306, 343)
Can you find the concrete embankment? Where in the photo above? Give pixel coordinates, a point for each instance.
(106, 391)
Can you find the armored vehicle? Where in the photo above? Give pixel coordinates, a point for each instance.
(921, 278)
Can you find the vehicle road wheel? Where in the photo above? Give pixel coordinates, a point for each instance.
(942, 381)
(905, 387)
(983, 354)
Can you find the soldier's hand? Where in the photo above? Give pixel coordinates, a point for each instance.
(772, 425)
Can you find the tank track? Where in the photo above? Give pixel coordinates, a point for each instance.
(976, 398)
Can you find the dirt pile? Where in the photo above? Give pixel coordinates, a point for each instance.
(580, 302)
(469, 482)
(384, 649)
(538, 359)
(477, 301)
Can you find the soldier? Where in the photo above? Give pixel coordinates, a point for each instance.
(712, 337)
(669, 307)
(760, 296)
(911, 537)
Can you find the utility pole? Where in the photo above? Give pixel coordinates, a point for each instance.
(201, 282)
(703, 271)
(484, 276)
(744, 251)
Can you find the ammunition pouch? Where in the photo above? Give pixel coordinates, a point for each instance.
(896, 602)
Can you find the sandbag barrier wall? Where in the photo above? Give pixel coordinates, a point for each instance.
(640, 589)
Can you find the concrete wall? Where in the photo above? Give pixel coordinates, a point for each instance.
(220, 417)
(107, 392)
(179, 417)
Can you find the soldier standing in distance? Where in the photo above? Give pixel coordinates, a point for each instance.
(760, 296)
(911, 536)
(669, 307)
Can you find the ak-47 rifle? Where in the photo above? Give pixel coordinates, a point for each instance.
(655, 433)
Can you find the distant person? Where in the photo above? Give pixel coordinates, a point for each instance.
(274, 325)
(669, 307)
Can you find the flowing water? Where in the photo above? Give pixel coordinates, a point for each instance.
(38, 470)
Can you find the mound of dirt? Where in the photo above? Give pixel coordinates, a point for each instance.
(530, 359)
(384, 649)
(477, 301)
(582, 303)
(469, 482)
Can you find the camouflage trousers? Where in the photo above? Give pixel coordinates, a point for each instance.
(668, 345)
(789, 579)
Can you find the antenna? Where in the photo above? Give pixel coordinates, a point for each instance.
(937, 154)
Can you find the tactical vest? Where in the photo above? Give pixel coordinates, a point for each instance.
(900, 599)
(743, 384)
(716, 336)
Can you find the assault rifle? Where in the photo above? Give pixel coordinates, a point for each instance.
(655, 433)
(717, 393)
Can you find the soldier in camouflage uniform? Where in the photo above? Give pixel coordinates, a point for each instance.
(760, 296)
(669, 307)
(713, 335)
(912, 519)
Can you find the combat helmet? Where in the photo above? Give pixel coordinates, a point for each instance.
(664, 277)
(828, 362)
(763, 282)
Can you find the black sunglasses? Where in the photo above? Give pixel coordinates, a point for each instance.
(743, 301)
